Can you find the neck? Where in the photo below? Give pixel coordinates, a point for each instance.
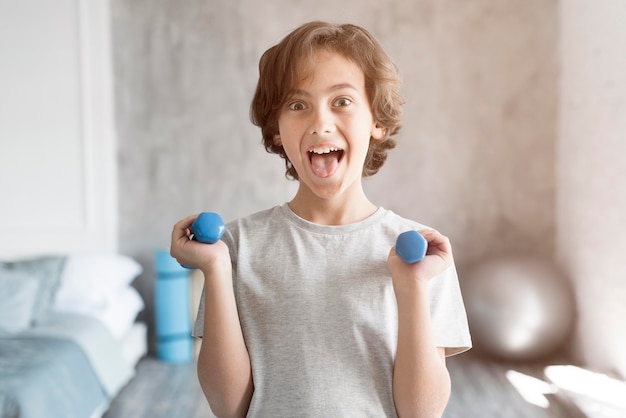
(338, 210)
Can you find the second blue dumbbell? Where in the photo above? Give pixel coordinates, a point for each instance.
(208, 228)
(411, 247)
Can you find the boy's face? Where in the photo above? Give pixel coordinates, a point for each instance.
(326, 124)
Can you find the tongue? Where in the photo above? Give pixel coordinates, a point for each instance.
(324, 165)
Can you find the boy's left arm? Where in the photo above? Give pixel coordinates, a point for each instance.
(421, 382)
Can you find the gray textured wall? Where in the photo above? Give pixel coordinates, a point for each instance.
(476, 156)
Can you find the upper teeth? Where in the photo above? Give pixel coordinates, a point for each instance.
(323, 150)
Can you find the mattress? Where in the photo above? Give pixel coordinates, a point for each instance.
(134, 344)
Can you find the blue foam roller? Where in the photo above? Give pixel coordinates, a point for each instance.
(411, 247)
(177, 350)
(171, 305)
(172, 309)
(165, 264)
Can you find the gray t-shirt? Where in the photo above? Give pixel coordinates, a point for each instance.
(319, 315)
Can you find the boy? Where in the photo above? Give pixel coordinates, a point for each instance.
(307, 309)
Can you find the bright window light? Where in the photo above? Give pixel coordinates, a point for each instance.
(531, 388)
(595, 394)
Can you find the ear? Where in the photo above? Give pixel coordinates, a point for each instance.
(378, 132)
(277, 141)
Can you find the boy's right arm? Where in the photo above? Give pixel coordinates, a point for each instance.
(224, 368)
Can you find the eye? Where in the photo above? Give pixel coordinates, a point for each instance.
(296, 106)
(342, 102)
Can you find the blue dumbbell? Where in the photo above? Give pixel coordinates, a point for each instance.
(411, 247)
(208, 228)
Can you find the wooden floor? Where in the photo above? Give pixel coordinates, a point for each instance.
(161, 390)
(480, 388)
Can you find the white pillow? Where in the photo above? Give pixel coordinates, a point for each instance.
(118, 313)
(121, 311)
(90, 279)
(18, 291)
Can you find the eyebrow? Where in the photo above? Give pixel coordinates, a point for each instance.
(334, 87)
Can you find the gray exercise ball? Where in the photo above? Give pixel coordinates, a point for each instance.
(518, 308)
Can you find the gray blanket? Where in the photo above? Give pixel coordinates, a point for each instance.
(46, 377)
(72, 367)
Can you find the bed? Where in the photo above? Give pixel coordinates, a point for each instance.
(69, 339)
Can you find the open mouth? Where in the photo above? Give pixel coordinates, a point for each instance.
(325, 160)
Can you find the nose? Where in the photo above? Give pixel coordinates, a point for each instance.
(322, 121)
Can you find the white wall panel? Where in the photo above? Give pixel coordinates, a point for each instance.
(57, 145)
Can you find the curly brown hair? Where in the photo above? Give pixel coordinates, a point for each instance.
(281, 69)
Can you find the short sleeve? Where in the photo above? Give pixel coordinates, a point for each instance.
(448, 316)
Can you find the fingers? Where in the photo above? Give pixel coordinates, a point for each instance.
(183, 227)
(181, 234)
(437, 259)
(437, 242)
